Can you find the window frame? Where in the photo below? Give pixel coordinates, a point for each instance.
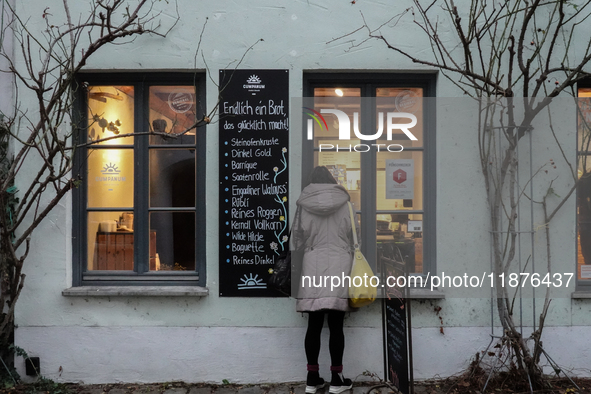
(141, 83)
(580, 284)
(368, 82)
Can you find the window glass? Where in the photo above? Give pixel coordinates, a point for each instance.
(400, 240)
(110, 241)
(400, 100)
(110, 178)
(395, 196)
(346, 169)
(172, 111)
(399, 181)
(110, 114)
(326, 126)
(172, 178)
(172, 241)
(345, 165)
(584, 123)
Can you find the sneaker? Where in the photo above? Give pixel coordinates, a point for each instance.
(312, 387)
(339, 385)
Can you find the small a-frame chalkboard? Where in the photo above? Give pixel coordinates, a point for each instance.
(397, 328)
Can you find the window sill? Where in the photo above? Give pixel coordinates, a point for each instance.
(580, 294)
(136, 291)
(426, 294)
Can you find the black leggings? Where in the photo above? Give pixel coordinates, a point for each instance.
(336, 343)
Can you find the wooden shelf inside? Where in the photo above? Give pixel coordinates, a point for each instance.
(114, 251)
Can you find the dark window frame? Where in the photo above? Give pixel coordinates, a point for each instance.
(368, 82)
(581, 284)
(140, 82)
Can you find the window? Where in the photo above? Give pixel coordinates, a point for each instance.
(139, 211)
(393, 191)
(584, 188)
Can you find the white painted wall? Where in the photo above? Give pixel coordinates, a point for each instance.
(6, 80)
(143, 339)
(116, 354)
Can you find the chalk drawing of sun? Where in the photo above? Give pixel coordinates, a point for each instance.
(250, 282)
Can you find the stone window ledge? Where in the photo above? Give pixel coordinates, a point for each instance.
(136, 291)
(580, 294)
(426, 294)
(191, 291)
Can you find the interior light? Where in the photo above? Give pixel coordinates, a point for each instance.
(339, 92)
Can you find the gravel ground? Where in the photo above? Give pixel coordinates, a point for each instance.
(448, 386)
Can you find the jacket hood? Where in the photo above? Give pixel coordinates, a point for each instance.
(323, 198)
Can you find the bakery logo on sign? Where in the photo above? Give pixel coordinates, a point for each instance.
(110, 173)
(344, 128)
(253, 84)
(251, 282)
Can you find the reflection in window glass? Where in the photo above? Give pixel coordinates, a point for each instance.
(172, 241)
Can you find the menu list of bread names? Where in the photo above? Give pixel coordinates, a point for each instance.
(253, 149)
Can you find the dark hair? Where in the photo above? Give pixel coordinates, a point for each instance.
(321, 174)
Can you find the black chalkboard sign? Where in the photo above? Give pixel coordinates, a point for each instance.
(253, 168)
(397, 331)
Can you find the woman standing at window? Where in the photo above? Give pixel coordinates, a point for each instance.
(322, 232)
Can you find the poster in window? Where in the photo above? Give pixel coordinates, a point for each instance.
(400, 175)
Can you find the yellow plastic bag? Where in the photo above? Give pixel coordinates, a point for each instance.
(361, 292)
(361, 273)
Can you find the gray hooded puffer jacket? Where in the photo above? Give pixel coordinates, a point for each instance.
(322, 230)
